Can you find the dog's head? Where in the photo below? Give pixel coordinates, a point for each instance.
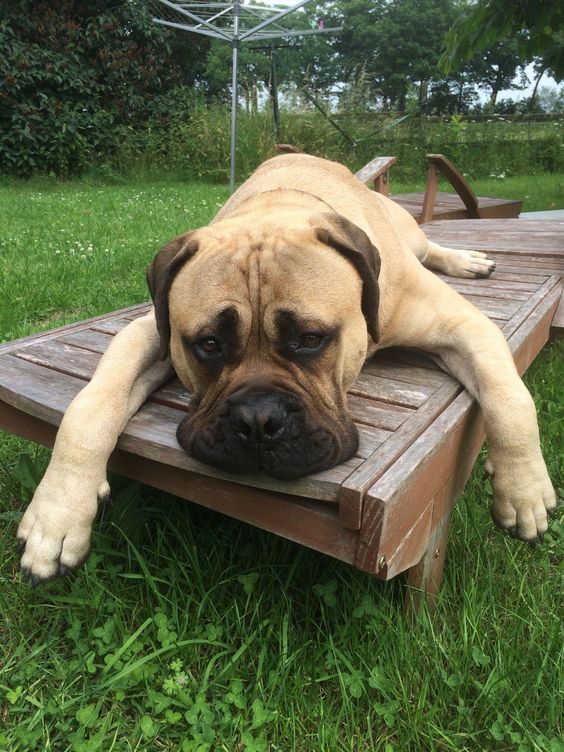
(268, 326)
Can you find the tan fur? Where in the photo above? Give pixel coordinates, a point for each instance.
(261, 249)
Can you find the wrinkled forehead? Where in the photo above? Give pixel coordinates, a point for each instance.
(259, 280)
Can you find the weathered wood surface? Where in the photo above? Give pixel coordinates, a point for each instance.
(419, 431)
(376, 172)
(449, 206)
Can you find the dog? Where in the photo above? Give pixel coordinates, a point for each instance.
(267, 316)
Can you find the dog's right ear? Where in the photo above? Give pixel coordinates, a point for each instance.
(160, 276)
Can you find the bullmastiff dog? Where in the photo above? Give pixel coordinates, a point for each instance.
(267, 316)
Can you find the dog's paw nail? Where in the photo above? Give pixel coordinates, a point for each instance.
(36, 580)
(533, 542)
(20, 545)
(64, 571)
(26, 574)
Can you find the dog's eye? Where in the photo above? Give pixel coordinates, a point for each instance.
(310, 341)
(308, 344)
(209, 346)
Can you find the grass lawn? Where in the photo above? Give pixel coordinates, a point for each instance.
(188, 631)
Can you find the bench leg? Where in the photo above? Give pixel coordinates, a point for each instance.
(424, 579)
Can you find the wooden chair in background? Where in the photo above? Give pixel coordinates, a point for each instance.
(432, 204)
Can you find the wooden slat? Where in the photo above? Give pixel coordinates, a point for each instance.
(387, 363)
(88, 339)
(387, 390)
(494, 307)
(112, 326)
(515, 237)
(141, 309)
(557, 326)
(355, 486)
(370, 412)
(497, 282)
(60, 357)
(470, 291)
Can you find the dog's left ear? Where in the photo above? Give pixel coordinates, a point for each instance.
(160, 276)
(355, 245)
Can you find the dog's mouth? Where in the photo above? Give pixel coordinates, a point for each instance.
(272, 432)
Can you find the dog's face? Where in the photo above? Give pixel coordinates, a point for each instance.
(266, 327)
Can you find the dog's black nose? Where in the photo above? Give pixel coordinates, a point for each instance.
(260, 416)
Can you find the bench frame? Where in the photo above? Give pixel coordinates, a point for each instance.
(390, 520)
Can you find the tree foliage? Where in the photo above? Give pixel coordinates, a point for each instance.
(537, 26)
(74, 76)
(79, 79)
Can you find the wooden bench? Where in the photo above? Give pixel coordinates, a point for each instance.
(464, 204)
(431, 205)
(387, 510)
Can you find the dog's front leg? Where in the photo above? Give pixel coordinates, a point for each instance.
(55, 529)
(473, 349)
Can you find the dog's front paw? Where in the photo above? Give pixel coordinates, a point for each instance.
(54, 532)
(470, 264)
(523, 498)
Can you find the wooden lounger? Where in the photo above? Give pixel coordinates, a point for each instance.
(430, 205)
(387, 510)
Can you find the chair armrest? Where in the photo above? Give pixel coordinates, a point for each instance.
(377, 172)
(440, 165)
(288, 149)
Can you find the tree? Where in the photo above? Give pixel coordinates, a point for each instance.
(75, 77)
(399, 42)
(537, 26)
(496, 69)
(550, 99)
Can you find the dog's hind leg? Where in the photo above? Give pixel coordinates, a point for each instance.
(456, 262)
(55, 529)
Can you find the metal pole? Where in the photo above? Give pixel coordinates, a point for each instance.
(274, 94)
(235, 44)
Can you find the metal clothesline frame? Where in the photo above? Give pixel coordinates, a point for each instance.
(234, 13)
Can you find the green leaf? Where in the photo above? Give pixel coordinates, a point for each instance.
(248, 581)
(454, 680)
(13, 695)
(479, 658)
(88, 715)
(261, 715)
(378, 679)
(497, 731)
(148, 728)
(326, 592)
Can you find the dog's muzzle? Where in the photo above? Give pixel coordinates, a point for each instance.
(261, 430)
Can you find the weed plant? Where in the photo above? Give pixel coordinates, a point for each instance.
(188, 631)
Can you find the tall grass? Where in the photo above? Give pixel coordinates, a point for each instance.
(198, 146)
